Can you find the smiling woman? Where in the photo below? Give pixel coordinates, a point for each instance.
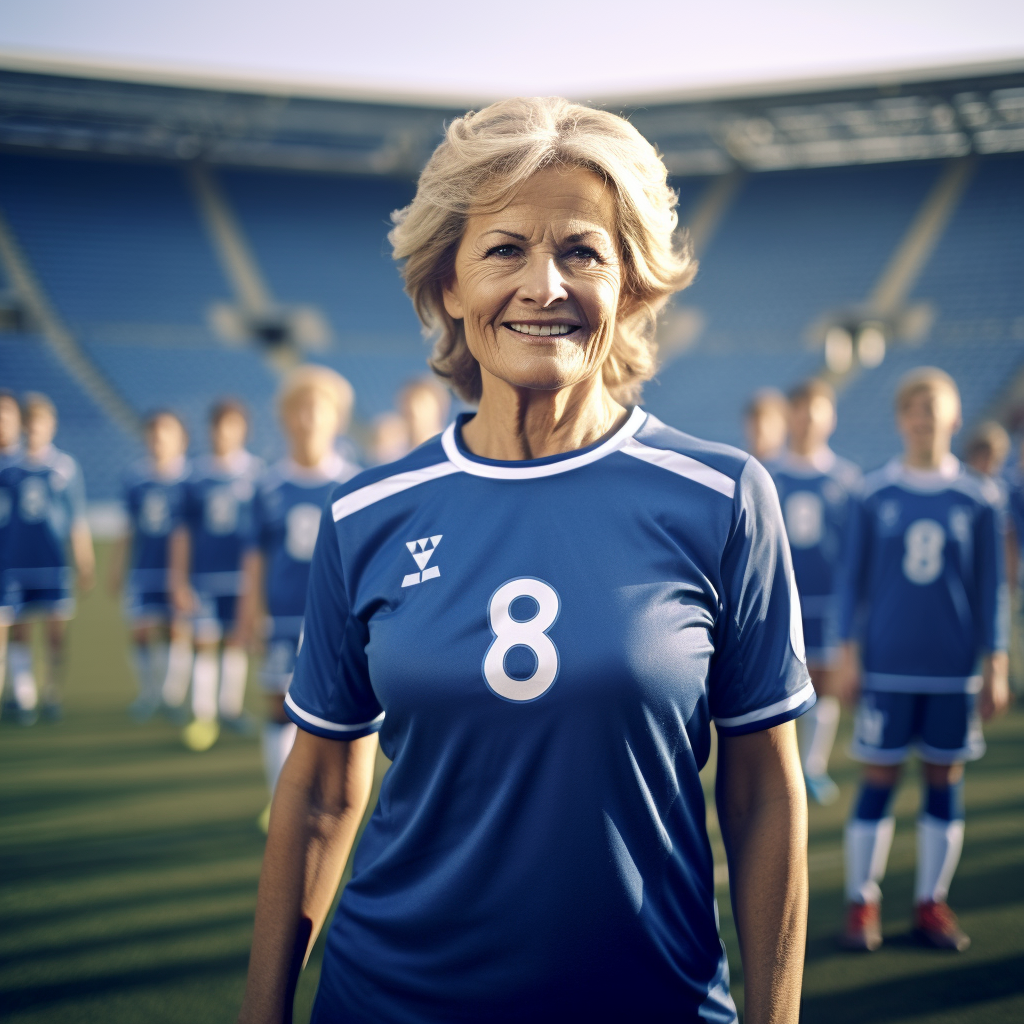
(591, 590)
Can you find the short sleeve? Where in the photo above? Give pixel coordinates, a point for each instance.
(76, 495)
(993, 599)
(758, 675)
(330, 694)
(257, 537)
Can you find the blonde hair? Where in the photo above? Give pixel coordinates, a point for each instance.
(988, 438)
(925, 378)
(484, 159)
(34, 402)
(312, 377)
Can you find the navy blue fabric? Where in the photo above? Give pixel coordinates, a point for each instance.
(924, 579)
(945, 802)
(154, 505)
(544, 858)
(873, 802)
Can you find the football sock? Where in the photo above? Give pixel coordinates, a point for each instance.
(54, 682)
(940, 838)
(818, 734)
(23, 682)
(234, 668)
(866, 843)
(179, 672)
(278, 738)
(204, 685)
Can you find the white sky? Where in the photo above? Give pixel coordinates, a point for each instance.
(487, 48)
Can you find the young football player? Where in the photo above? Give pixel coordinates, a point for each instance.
(154, 491)
(817, 490)
(47, 523)
(10, 449)
(924, 619)
(764, 423)
(206, 571)
(987, 450)
(314, 407)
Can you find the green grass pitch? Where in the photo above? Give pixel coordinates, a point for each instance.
(128, 870)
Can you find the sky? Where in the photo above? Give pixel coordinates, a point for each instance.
(461, 49)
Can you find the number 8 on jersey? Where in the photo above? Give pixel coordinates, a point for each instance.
(529, 632)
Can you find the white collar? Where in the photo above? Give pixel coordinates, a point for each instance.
(330, 467)
(819, 463)
(927, 479)
(174, 471)
(530, 469)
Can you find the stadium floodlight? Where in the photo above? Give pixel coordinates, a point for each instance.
(838, 349)
(870, 346)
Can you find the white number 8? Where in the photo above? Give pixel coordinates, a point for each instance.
(531, 633)
(924, 545)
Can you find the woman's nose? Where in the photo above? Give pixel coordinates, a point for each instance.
(543, 283)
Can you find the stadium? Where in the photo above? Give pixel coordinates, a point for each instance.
(167, 244)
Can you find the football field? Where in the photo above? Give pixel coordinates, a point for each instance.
(128, 871)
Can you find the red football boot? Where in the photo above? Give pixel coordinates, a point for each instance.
(863, 927)
(936, 925)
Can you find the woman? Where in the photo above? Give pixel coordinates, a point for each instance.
(539, 613)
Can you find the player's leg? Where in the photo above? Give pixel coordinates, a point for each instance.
(203, 731)
(817, 730)
(23, 679)
(950, 735)
(278, 733)
(4, 633)
(178, 673)
(55, 646)
(148, 666)
(234, 670)
(883, 728)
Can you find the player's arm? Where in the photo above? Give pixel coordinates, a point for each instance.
(319, 802)
(851, 592)
(993, 614)
(179, 562)
(250, 606)
(83, 554)
(762, 810)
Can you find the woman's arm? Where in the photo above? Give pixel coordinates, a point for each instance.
(762, 810)
(83, 553)
(179, 563)
(318, 805)
(250, 603)
(119, 562)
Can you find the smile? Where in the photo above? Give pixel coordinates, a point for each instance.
(541, 331)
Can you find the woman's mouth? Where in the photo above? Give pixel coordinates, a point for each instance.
(537, 330)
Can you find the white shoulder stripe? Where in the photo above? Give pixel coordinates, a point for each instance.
(372, 493)
(322, 723)
(778, 708)
(681, 465)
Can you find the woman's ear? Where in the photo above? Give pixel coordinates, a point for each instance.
(452, 299)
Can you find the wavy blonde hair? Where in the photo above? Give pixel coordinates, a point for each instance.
(482, 162)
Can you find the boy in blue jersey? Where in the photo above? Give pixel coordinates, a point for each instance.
(47, 524)
(817, 490)
(925, 619)
(764, 424)
(314, 406)
(206, 571)
(154, 491)
(10, 449)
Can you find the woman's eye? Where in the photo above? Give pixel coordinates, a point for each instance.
(504, 251)
(584, 254)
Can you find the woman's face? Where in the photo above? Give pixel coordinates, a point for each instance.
(538, 284)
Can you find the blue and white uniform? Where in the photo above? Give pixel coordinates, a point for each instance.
(926, 597)
(7, 457)
(543, 646)
(817, 496)
(286, 517)
(154, 503)
(218, 512)
(43, 497)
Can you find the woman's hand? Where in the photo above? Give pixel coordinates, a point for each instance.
(762, 810)
(994, 697)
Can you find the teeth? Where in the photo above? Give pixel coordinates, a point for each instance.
(537, 331)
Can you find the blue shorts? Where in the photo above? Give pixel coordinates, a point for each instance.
(215, 616)
(279, 661)
(943, 728)
(820, 640)
(38, 602)
(142, 606)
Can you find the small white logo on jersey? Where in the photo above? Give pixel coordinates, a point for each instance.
(421, 551)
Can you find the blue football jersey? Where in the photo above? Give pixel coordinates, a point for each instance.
(543, 646)
(8, 456)
(286, 517)
(154, 503)
(218, 511)
(816, 497)
(43, 497)
(925, 591)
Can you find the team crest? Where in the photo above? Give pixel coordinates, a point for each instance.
(422, 551)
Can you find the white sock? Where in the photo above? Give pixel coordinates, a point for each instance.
(277, 742)
(23, 681)
(204, 685)
(179, 672)
(818, 734)
(866, 848)
(938, 852)
(234, 668)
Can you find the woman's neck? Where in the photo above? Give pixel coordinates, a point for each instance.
(515, 423)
